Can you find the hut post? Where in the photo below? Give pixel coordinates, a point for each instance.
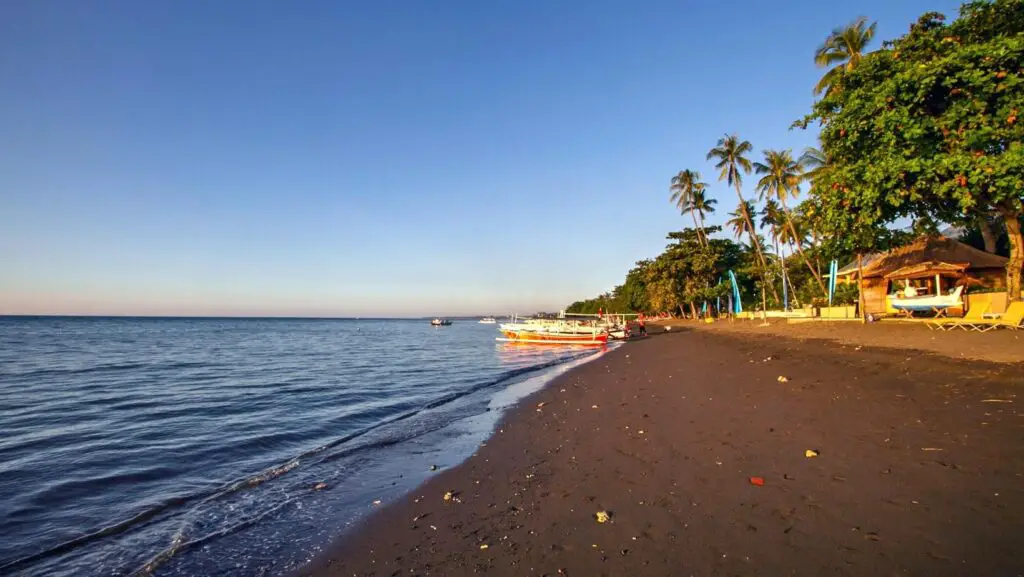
(860, 287)
(938, 287)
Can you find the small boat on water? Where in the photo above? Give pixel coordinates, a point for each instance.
(488, 321)
(441, 322)
(553, 332)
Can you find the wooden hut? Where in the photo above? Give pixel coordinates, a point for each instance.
(930, 264)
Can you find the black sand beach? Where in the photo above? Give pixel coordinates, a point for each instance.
(919, 470)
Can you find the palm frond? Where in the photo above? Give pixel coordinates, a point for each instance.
(843, 49)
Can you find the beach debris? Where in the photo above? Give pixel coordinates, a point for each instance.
(997, 400)
(433, 467)
(593, 407)
(811, 453)
(768, 358)
(433, 527)
(641, 431)
(602, 516)
(377, 502)
(484, 546)
(448, 495)
(320, 486)
(930, 449)
(759, 481)
(783, 379)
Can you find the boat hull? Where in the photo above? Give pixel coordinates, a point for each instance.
(552, 338)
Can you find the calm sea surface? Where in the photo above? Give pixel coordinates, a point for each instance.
(196, 446)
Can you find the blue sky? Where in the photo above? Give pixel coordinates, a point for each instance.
(394, 157)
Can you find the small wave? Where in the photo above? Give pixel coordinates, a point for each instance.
(112, 367)
(178, 506)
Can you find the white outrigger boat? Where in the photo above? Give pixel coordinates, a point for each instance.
(488, 321)
(934, 303)
(552, 332)
(616, 324)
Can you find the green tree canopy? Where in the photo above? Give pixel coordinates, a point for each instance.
(928, 127)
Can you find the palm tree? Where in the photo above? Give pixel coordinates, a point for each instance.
(738, 220)
(730, 154)
(703, 205)
(844, 48)
(781, 180)
(772, 219)
(813, 162)
(684, 187)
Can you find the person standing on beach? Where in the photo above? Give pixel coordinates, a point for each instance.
(642, 325)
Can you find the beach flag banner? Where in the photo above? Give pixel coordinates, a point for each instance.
(735, 293)
(785, 294)
(833, 269)
(718, 304)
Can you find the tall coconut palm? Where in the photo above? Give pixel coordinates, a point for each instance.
(738, 220)
(772, 219)
(730, 156)
(703, 205)
(844, 49)
(813, 162)
(684, 187)
(781, 181)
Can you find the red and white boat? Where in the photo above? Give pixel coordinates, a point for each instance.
(558, 332)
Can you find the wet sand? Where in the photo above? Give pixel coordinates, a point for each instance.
(997, 346)
(920, 470)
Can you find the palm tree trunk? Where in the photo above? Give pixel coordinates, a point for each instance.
(800, 249)
(754, 242)
(700, 237)
(782, 263)
(703, 232)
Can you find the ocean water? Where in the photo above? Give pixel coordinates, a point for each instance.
(231, 446)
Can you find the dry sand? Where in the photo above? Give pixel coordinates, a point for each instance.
(920, 470)
(997, 346)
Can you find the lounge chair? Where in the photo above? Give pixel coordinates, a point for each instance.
(1011, 319)
(945, 323)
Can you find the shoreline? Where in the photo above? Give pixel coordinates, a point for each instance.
(912, 476)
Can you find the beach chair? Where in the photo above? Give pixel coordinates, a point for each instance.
(946, 323)
(1011, 319)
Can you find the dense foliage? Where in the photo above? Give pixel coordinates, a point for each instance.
(923, 129)
(927, 128)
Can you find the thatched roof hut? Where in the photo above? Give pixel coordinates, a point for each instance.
(927, 257)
